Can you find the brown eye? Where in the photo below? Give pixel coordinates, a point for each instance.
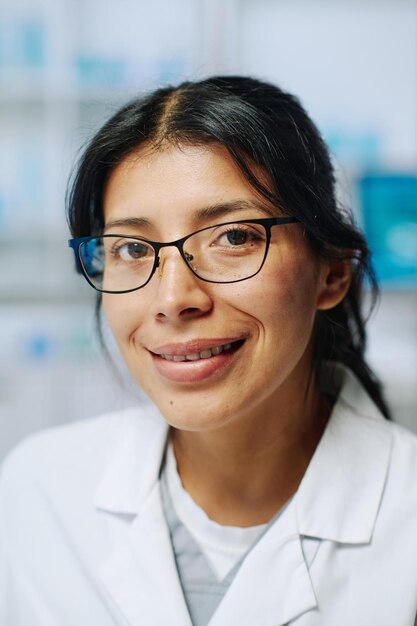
(237, 237)
(132, 251)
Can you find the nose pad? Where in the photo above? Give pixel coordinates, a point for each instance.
(158, 266)
(190, 258)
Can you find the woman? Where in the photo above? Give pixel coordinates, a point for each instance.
(261, 485)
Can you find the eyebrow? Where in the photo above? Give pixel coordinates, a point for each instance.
(127, 222)
(209, 212)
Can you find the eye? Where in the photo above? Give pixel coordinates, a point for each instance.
(132, 250)
(238, 235)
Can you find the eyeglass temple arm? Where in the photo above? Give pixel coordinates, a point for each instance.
(74, 245)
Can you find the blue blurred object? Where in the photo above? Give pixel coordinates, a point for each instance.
(2, 208)
(360, 148)
(22, 44)
(101, 72)
(39, 347)
(389, 209)
(33, 43)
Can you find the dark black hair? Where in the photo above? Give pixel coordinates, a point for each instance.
(259, 124)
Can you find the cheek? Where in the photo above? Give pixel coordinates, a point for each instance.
(282, 299)
(122, 315)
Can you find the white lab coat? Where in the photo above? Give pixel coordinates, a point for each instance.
(84, 540)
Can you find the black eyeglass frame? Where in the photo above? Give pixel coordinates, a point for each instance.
(266, 222)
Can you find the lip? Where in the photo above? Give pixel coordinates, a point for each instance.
(188, 372)
(193, 346)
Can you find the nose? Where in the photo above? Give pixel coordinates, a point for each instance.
(179, 294)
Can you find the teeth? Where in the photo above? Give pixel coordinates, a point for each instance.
(205, 354)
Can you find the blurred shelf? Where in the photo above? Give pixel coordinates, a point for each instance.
(42, 96)
(54, 299)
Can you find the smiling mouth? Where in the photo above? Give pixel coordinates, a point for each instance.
(204, 354)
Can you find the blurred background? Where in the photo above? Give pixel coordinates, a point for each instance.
(67, 65)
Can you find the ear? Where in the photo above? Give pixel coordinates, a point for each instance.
(335, 279)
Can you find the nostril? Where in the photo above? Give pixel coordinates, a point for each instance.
(190, 311)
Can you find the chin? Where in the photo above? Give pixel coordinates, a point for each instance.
(192, 417)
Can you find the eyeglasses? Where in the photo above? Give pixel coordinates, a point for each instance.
(223, 253)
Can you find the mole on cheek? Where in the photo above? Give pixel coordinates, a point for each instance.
(171, 402)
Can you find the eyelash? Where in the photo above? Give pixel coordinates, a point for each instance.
(232, 228)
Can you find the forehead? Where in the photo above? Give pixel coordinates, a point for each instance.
(176, 181)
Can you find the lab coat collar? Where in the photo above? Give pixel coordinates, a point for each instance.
(133, 468)
(339, 496)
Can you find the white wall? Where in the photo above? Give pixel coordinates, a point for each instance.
(353, 63)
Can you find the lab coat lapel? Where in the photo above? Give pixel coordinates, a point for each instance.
(273, 584)
(139, 572)
(133, 467)
(340, 494)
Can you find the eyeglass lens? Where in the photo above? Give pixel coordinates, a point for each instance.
(221, 253)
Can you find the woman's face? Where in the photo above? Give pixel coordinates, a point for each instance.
(161, 196)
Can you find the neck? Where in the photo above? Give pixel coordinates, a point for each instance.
(243, 473)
